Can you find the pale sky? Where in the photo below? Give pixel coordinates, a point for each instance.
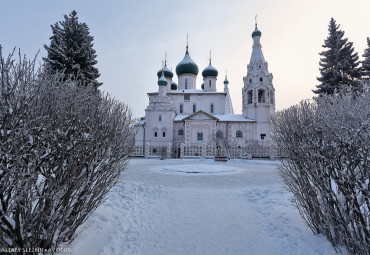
(131, 38)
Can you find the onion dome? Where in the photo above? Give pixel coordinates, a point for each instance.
(210, 71)
(187, 65)
(167, 72)
(202, 86)
(173, 85)
(162, 81)
(256, 32)
(226, 81)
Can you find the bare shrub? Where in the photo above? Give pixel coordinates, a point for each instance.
(328, 145)
(62, 148)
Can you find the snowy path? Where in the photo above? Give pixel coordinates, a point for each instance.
(156, 209)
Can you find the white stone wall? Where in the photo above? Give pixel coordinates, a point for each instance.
(153, 125)
(139, 135)
(202, 101)
(187, 81)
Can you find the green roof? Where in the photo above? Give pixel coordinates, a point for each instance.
(167, 72)
(187, 65)
(173, 85)
(162, 81)
(210, 71)
(256, 33)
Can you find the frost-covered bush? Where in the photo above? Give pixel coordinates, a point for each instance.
(62, 147)
(328, 142)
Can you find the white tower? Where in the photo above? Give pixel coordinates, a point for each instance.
(187, 72)
(258, 91)
(209, 77)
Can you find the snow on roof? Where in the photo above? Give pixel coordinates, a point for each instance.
(233, 117)
(221, 117)
(190, 91)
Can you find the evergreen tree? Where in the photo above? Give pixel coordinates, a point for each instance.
(71, 51)
(366, 62)
(339, 64)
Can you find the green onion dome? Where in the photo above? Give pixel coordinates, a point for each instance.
(173, 85)
(162, 80)
(187, 65)
(226, 81)
(202, 86)
(256, 32)
(210, 71)
(167, 72)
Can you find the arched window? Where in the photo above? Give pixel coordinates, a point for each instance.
(181, 108)
(261, 96)
(160, 118)
(200, 136)
(271, 97)
(164, 134)
(194, 108)
(219, 134)
(261, 79)
(180, 132)
(250, 96)
(250, 80)
(155, 134)
(239, 133)
(212, 108)
(186, 83)
(210, 83)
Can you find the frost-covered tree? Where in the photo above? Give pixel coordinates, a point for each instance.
(62, 148)
(339, 64)
(327, 170)
(366, 61)
(71, 51)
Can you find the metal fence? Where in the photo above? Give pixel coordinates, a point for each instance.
(255, 150)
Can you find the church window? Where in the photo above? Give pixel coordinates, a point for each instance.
(200, 136)
(181, 108)
(164, 134)
(219, 134)
(187, 97)
(239, 133)
(181, 132)
(261, 96)
(250, 96)
(261, 79)
(271, 97)
(194, 108)
(155, 134)
(250, 80)
(186, 83)
(210, 83)
(211, 108)
(160, 118)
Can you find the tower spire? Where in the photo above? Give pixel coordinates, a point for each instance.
(255, 20)
(187, 43)
(210, 57)
(165, 58)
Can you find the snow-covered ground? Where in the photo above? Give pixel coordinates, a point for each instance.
(196, 206)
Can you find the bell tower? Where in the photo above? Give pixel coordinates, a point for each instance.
(258, 91)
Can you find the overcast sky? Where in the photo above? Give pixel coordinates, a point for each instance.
(131, 38)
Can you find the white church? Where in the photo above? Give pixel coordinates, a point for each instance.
(190, 114)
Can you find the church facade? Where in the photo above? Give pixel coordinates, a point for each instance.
(186, 114)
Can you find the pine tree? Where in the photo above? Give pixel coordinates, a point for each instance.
(366, 62)
(71, 51)
(339, 64)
